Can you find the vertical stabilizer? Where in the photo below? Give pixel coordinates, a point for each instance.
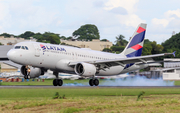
(135, 45)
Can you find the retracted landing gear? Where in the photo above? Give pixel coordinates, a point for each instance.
(57, 82)
(93, 82)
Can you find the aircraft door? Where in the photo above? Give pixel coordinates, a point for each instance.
(73, 55)
(37, 50)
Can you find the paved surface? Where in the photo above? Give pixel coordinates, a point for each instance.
(48, 86)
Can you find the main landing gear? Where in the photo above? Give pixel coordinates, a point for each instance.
(57, 82)
(94, 82)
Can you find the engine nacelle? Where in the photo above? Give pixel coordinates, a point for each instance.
(33, 72)
(85, 69)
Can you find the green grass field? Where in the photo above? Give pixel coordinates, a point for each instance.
(87, 99)
(93, 99)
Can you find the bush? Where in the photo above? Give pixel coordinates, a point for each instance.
(57, 96)
(140, 95)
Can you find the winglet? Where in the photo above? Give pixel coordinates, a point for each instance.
(174, 53)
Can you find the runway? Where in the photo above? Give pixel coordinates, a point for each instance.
(49, 86)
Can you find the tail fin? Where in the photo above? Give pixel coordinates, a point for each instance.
(135, 45)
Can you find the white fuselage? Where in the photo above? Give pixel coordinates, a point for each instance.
(57, 57)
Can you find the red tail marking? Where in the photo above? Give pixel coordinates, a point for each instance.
(140, 29)
(137, 47)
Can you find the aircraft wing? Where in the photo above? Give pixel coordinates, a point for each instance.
(124, 61)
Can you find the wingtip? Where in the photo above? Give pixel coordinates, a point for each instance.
(174, 53)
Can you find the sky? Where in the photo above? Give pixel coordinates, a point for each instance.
(112, 17)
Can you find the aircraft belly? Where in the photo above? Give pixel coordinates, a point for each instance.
(111, 71)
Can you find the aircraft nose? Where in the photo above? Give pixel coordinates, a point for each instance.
(10, 55)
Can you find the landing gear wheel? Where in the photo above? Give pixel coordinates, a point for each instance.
(96, 82)
(60, 82)
(91, 82)
(55, 81)
(25, 77)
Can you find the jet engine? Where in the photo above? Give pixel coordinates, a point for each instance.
(85, 69)
(31, 72)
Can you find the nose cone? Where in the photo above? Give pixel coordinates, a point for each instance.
(10, 55)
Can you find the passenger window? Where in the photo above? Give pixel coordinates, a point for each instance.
(26, 47)
(17, 47)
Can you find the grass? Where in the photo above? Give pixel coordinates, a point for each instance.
(93, 99)
(11, 93)
(89, 100)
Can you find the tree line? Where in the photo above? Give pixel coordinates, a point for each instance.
(89, 31)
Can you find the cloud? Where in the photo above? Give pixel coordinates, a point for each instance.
(162, 28)
(98, 4)
(129, 5)
(170, 18)
(119, 11)
(130, 20)
(125, 11)
(173, 13)
(163, 22)
(17, 17)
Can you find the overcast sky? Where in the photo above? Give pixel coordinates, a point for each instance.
(112, 17)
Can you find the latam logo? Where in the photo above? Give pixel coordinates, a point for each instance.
(52, 48)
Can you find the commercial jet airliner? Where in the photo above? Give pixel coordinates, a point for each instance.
(37, 58)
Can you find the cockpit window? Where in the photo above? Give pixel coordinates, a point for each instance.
(23, 47)
(26, 47)
(17, 47)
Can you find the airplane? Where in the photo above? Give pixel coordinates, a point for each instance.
(36, 58)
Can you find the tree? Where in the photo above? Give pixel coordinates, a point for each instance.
(48, 37)
(87, 32)
(37, 35)
(151, 48)
(117, 48)
(105, 40)
(147, 48)
(107, 50)
(62, 37)
(156, 48)
(6, 35)
(120, 41)
(27, 35)
(53, 39)
(147, 41)
(172, 44)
